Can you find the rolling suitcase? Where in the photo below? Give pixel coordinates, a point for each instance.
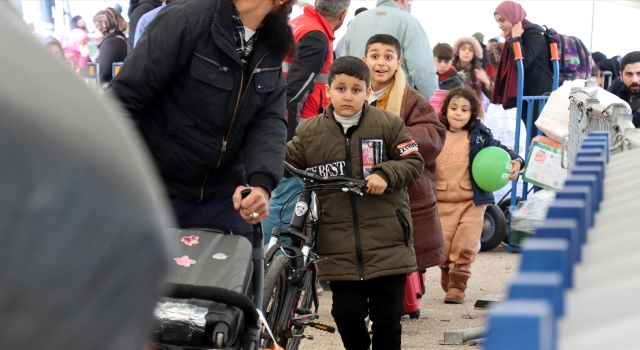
(208, 257)
(413, 291)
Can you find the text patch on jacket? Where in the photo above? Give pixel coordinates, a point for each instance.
(407, 148)
(335, 168)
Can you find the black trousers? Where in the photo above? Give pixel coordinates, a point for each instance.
(381, 298)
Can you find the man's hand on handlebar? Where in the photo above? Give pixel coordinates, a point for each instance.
(376, 185)
(256, 202)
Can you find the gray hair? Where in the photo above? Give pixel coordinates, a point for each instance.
(332, 8)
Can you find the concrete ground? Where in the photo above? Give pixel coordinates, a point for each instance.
(492, 272)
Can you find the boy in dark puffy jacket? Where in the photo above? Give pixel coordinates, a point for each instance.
(366, 242)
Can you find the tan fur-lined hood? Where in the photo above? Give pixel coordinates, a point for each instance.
(397, 93)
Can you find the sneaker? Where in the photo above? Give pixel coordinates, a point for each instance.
(319, 288)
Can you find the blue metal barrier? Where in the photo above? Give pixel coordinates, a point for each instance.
(528, 319)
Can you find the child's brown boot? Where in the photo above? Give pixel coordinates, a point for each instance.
(444, 278)
(457, 286)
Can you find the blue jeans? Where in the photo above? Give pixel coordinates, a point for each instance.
(277, 210)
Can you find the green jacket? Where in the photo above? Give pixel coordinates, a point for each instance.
(361, 237)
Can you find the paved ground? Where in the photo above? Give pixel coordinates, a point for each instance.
(491, 274)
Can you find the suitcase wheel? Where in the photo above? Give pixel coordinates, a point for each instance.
(415, 315)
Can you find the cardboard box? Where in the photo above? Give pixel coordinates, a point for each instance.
(543, 166)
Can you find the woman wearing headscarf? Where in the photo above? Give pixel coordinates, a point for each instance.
(538, 76)
(112, 44)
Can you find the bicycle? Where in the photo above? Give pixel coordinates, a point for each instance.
(290, 282)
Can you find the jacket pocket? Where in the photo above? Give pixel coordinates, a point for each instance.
(404, 224)
(466, 185)
(266, 79)
(441, 185)
(209, 71)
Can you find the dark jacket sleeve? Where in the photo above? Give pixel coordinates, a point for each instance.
(493, 142)
(295, 153)
(312, 53)
(151, 66)
(533, 44)
(405, 164)
(112, 50)
(134, 17)
(265, 141)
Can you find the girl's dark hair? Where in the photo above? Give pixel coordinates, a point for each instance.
(474, 101)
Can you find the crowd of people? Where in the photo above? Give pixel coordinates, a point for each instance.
(224, 91)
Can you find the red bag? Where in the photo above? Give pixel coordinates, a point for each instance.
(413, 292)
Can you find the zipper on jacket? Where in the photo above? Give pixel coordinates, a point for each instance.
(220, 67)
(259, 70)
(225, 138)
(354, 211)
(241, 94)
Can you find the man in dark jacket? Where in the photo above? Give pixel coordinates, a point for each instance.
(205, 87)
(628, 86)
(306, 79)
(137, 9)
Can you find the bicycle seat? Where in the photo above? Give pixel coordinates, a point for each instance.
(209, 257)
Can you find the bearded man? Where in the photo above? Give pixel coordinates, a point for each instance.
(628, 86)
(205, 88)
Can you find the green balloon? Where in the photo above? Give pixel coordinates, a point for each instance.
(490, 168)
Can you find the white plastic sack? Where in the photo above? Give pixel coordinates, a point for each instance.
(503, 127)
(531, 213)
(554, 118)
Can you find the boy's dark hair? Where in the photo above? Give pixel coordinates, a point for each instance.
(384, 39)
(351, 66)
(630, 58)
(443, 51)
(360, 10)
(492, 40)
(468, 94)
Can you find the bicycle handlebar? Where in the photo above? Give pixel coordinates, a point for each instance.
(361, 184)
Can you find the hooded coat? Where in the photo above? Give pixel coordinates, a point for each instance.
(426, 129)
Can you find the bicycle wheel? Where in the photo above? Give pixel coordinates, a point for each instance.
(275, 291)
(304, 305)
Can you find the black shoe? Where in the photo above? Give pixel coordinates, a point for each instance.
(325, 286)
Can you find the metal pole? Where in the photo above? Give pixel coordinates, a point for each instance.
(593, 17)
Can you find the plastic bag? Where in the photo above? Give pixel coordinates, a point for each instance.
(531, 213)
(554, 118)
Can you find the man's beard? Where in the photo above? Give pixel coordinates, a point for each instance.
(631, 92)
(280, 35)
